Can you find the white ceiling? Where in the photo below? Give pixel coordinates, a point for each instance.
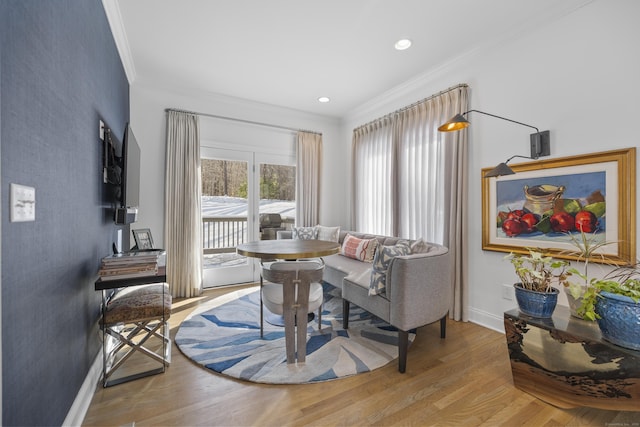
(290, 52)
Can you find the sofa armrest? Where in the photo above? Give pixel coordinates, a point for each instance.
(419, 288)
(284, 234)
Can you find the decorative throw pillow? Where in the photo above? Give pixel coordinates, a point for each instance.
(304, 233)
(327, 233)
(381, 262)
(420, 247)
(360, 249)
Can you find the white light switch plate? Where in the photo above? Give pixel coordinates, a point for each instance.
(23, 203)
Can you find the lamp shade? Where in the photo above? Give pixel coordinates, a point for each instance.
(456, 123)
(501, 169)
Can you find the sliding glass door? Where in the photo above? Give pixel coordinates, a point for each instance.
(246, 196)
(227, 200)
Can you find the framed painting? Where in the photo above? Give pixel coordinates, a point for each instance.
(547, 204)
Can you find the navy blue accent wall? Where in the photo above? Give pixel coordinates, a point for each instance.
(61, 73)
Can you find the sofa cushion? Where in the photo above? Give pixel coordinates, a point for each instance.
(360, 249)
(355, 289)
(330, 234)
(381, 262)
(304, 233)
(420, 247)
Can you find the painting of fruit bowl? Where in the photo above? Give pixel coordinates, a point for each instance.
(547, 202)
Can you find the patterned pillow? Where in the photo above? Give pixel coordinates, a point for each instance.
(360, 249)
(327, 233)
(304, 233)
(420, 247)
(381, 262)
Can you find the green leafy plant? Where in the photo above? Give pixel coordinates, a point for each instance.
(538, 271)
(624, 280)
(586, 248)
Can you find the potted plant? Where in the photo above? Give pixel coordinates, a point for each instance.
(537, 271)
(587, 247)
(614, 301)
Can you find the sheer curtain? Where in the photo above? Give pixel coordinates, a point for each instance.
(373, 180)
(308, 168)
(410, 180)
(432, 183)
(183, 217)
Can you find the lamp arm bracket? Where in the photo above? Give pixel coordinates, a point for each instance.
(521, 157)
(499, 117)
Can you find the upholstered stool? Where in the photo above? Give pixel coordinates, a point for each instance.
(132, 317)
(273, 300)
(299, 293)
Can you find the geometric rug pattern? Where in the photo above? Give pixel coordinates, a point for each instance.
(223, 335)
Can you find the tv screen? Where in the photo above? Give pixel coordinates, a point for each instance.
(130, 183)
(131, 170)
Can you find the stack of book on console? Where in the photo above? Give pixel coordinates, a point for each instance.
(129, 265)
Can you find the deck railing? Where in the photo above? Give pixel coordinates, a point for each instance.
(222, 234)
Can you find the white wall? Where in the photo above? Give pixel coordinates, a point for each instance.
(576, 76)
(148, 120)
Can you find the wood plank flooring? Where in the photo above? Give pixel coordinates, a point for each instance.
(463, 380)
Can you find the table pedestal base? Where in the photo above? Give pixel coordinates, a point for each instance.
(296, 278)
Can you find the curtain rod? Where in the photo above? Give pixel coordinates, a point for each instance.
(251, 122)
(442, 92)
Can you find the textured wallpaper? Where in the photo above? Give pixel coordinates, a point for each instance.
(60, 74)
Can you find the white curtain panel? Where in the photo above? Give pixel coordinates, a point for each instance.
(428, 167)
(373, 178)
(432, 182)
(308, 175)
(183, 217)
(409, 180)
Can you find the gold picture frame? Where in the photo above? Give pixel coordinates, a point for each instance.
(603, 183)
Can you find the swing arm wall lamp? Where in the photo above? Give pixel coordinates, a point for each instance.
(540, 142)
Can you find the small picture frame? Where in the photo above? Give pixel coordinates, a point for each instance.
(143, 238)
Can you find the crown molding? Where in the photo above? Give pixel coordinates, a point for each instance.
(217, 103)
(114, 17)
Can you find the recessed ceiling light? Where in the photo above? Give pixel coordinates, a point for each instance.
(323, 99)
(403, 44)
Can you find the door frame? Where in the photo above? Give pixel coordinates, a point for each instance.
(244, 273)
(248, 272)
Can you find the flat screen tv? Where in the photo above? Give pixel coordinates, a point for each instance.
(130, 183)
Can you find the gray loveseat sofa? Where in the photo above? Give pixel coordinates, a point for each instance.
(418, 287)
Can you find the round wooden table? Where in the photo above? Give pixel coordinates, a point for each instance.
(290, 249)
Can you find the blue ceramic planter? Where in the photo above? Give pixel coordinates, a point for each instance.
(620, 322)
(534, 303)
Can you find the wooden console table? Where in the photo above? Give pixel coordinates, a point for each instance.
(566, 362)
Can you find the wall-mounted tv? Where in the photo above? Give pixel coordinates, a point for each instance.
(130, 183)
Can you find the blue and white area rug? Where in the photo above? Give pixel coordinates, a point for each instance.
(224, 335)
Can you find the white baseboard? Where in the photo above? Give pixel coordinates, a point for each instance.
(78, 410)
(486, 319)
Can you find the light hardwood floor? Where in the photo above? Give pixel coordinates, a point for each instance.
(463, 380)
